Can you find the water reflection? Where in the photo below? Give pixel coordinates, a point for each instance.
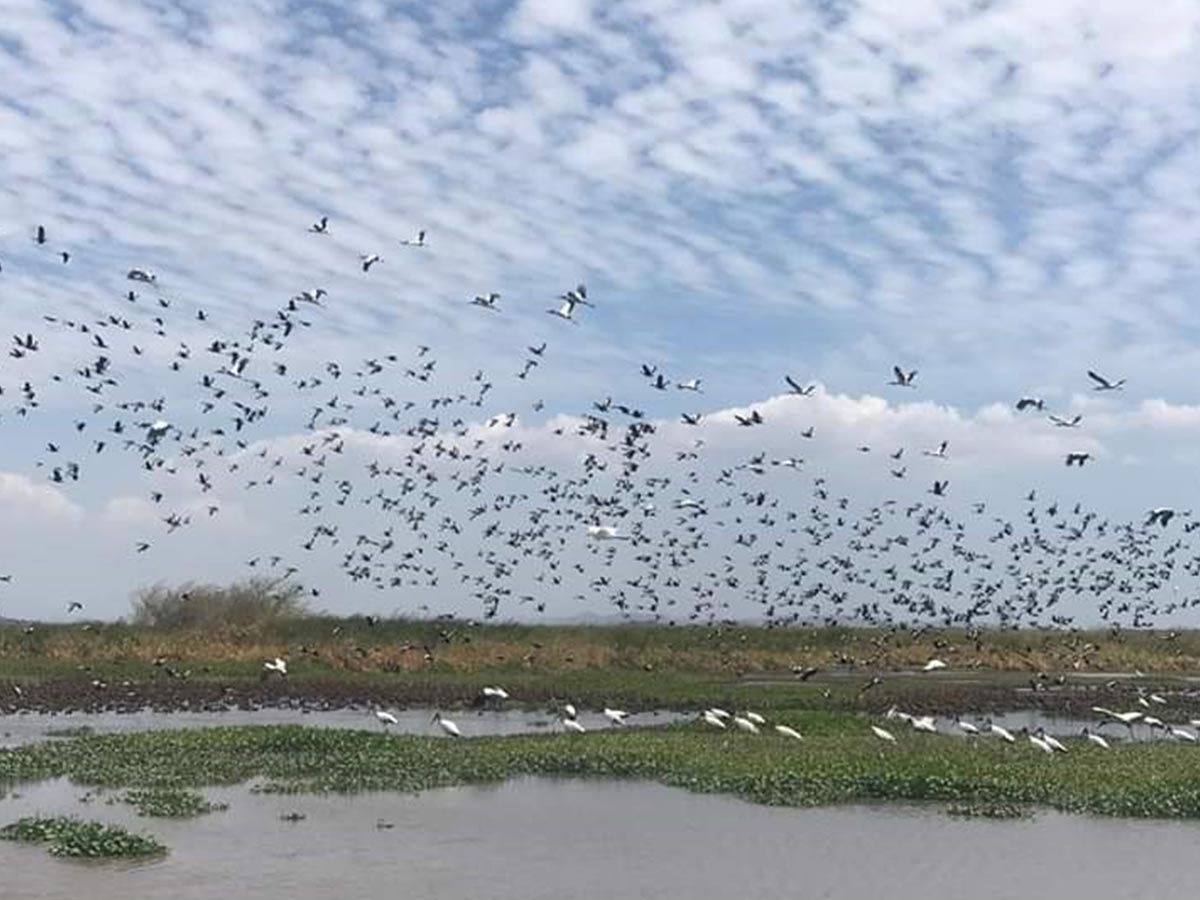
(575, 839)
(27, 728)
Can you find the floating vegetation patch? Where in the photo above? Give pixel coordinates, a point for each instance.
(170, 803)
(73, 731)
(67, 836)
(989, 811)
(840, 761)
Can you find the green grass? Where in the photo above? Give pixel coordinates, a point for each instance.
(839, 762)
(67, 836)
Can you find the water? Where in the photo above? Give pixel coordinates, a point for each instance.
(578, 840)
(28, 728)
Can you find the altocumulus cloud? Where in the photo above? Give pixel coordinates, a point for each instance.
(1001, 196)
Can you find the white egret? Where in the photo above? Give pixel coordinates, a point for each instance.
(745, 725)
(385, 718)
(1001, 732)
(573, 725)
(615, 716)
(1095, 739)
(933, 665)
(1039, 743)
(789, 732)
(1051, 741)
(966, 727)
(883, 734)
(755, 718)
(714, 720)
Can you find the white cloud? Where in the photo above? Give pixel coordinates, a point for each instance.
(998, 195)
(20, 496)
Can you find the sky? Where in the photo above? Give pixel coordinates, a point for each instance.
(1000, 195)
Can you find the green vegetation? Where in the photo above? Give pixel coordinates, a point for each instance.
(68, 836)
(73, 731)
(989, 811)
(838, 762)
(169, 803)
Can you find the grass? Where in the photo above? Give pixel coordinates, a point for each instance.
(320, 645)
(67, 836)
(839, 762)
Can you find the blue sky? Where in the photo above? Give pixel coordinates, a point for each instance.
(999, 195)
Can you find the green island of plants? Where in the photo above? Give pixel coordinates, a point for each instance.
(170, 803)
(68, 836)
(838, 762)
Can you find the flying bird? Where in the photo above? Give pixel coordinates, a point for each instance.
(902, 378)
(799, 389)
(1103, 384)
(1060, 422)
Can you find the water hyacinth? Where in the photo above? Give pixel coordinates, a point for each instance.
(170, 803)
(68, 836)
(837, 763)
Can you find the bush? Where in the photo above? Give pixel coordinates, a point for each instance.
(255, 601)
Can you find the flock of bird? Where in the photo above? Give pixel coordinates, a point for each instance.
(752, 722)
(411, 483)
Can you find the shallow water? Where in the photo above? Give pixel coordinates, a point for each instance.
(570, 840)
(27, 728)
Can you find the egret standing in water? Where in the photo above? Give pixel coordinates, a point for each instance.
(385, 718)
(446, 725)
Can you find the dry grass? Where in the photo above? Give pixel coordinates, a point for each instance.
(354, 645)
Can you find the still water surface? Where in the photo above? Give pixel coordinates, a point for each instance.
(578, 840)
(29, 728)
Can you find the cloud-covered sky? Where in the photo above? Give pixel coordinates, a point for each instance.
(1000, 195)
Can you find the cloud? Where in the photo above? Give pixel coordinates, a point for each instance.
(21, 496)
(998, 195)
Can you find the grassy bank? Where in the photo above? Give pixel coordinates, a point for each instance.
(316, 646)
(838, 762)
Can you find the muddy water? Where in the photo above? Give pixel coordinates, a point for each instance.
(26, 728)
(563, 840)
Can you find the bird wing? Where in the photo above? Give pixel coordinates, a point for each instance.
(1099, 379)
(899, 373)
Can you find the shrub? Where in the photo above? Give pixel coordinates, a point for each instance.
(253, 602)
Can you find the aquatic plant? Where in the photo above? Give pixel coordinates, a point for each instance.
(170, 803)
(839, 762)
(989, 811)
(73, 731)
(68, 836)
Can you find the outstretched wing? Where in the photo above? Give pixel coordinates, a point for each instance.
(1099, 379)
